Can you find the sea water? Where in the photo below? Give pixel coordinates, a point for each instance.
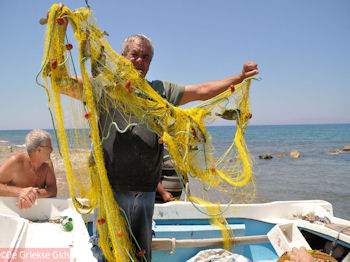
(316, 174)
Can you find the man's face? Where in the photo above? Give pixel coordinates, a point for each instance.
(140, 54)
(46, 150)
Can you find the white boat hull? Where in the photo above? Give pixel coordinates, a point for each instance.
(181, 230)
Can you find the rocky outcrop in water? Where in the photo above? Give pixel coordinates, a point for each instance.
(265, 157)
(335, 152)
(294, 154)
(281, 155)
(346, 148)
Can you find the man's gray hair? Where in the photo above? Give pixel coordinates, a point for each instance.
(35, 138)
(132, 38)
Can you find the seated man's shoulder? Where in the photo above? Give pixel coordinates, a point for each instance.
(18, 158)
(13, 164)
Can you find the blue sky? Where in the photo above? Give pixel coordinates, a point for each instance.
(302, 49)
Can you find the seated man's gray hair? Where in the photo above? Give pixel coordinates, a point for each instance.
(35, 138)
(132, 38)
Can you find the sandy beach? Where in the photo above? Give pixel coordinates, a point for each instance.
(62, 186)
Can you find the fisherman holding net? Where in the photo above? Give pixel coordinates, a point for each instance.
(134, 169)
(133, 158)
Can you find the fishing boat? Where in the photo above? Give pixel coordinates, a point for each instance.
(262, 232)
(38, 232)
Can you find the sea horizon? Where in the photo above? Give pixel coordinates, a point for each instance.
(321, 172)
(299, 124)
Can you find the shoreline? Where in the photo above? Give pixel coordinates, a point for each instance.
(218, 125)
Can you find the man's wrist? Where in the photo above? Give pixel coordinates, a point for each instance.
(237, 79)
(17, 191)
(241, 77)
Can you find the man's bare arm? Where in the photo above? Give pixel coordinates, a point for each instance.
(167, 196)
(76, 90)
(211, 89)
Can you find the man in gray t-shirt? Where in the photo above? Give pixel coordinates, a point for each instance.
(133, 158)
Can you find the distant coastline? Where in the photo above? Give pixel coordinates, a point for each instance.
(313, 124)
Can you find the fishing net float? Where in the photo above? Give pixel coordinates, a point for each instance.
(121, 89)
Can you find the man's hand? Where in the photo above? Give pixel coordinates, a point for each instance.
(299, 255)
(167, 196)
(249, 69)
(43, 21)
(27, 197)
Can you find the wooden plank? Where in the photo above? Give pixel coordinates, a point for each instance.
(337, 227)
(172, 243)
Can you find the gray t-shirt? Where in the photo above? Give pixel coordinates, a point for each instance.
(133, 159)
(170, 91)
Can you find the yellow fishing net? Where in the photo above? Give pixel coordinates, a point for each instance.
(79, 129)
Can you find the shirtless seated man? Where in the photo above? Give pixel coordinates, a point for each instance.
(30, 175)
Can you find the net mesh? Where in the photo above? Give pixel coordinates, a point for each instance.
(213, 179)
